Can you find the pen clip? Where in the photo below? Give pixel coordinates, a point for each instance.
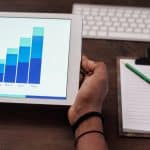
(144, 60)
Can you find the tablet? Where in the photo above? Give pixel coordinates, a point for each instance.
(39, 57)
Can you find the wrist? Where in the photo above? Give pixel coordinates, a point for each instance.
(75, 113)
(93, 123)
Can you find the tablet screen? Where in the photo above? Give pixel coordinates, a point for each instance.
(34, 57)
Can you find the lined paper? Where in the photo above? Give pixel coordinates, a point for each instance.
(135, 99)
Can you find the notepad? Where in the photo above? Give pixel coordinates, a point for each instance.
(134, 100)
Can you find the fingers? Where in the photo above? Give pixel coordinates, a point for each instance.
(96, 72)
(97, 68)
(87, 65)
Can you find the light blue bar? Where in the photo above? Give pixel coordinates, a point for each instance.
(12, 50)
(25, 42)
(2, 61)
(38, 31)
(12, 96)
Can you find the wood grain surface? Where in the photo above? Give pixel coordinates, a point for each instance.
(35, 127)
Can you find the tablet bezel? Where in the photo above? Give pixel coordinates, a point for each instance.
(73, 59)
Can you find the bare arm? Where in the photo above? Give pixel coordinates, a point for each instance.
(90, 98)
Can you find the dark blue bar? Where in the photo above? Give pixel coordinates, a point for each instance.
(10, 73)
(35, 70)
(37, 46)
(46, 97)
(22, 73)
(1, 77)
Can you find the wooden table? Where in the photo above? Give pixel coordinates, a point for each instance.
(29, 127)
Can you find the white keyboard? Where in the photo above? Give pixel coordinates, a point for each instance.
(114, 22)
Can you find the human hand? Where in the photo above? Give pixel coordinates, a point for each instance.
(92, 92)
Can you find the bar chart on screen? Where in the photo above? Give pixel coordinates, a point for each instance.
(23, 63)
(33, 57)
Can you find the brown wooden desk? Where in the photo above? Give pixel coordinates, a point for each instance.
(28, 127)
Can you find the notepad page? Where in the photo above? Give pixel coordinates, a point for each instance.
(135, 99)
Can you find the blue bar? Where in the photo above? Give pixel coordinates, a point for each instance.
(35, 70)
(1, 72)
(37, 46)
(24, 54)
(11, 59)
(10, 68)
(46, 97)
(22, 72)
(1, 68)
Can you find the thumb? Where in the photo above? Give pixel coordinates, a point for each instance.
(87, 65)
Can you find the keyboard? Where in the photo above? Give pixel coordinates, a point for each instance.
(114, 22)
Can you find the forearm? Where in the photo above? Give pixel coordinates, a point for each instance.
(91, 141)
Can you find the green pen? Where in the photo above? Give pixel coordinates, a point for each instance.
(138, 73)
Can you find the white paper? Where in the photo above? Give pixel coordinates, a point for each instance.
(135, 94)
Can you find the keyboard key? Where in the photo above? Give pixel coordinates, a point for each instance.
(112, 29)
(146, 31)
(91, 22)
(116, 24)
(106, 18)
(102, 33)
(129, 30)
(86, 27)
(103, 28)
(135, 15)
(134, 25)
(125, 24)
(95, 28)
(85, 32)
(120, 29)
(139, 20)
(86, 13)
(92, 33)
(98, 18)
(99, 23)
(108, 23)
(127, 15)
(137, 30)
(141, 25)
(123, 20)
(89, 17)
(131, 20)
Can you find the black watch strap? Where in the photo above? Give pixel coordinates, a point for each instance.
(85, 117)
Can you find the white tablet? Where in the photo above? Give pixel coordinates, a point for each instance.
(39, 58)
